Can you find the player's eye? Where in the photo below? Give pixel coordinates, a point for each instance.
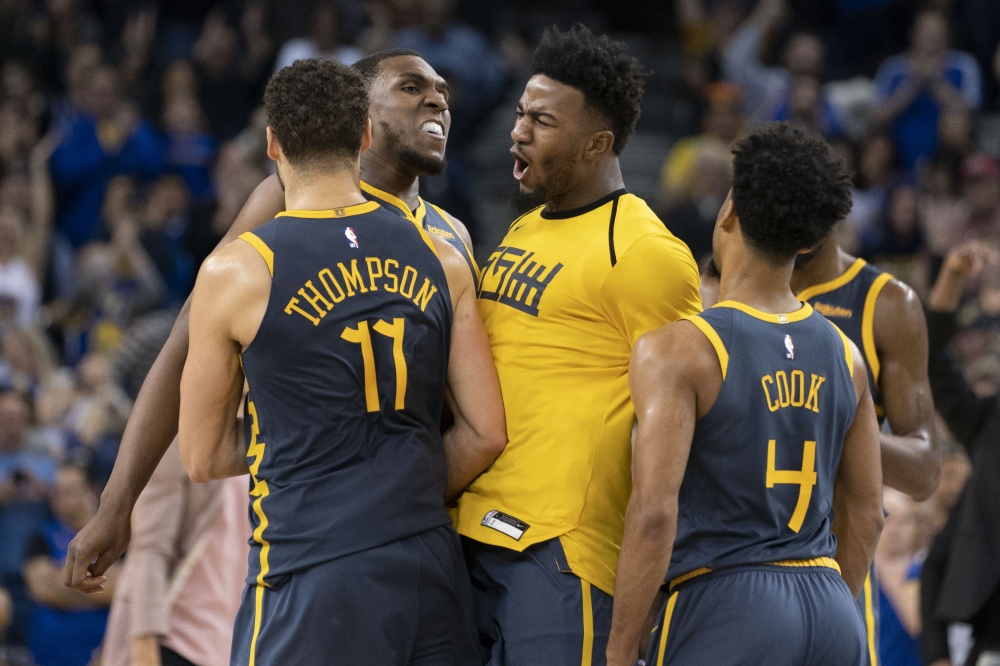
(410, 88)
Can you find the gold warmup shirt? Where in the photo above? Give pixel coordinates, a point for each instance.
(564, 298)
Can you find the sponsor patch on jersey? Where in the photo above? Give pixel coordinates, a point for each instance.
(438, 231)
(833, 310)
(505, 524)
(352, 238)
(790, 347)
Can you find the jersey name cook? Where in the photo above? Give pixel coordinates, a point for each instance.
(564, 298)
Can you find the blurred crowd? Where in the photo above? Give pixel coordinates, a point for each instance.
(131, 134)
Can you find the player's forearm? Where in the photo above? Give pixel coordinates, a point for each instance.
(857, 530)
(468, 453)
(153, 423)
(642, 565)
(208, 458)
(910, 463)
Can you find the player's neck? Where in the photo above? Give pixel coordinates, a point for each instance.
(759, 284)
(828, 263)
(385, 174)
(605, 180)
(321, 190)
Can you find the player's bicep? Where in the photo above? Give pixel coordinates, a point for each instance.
(901, 337)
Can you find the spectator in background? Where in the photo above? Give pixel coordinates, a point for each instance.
(981, 193)
(323, 40)
(184, 573)
(897, 562)
(960, 581)
(17, 277)
(807, 107)
(164, 225)
(765, 88)
(915, 88)
(943, 213)
(106, 140)
(190, 151)
(692, 219)
(900, 231)
(721, 123)
(67, 626)
(877, 164)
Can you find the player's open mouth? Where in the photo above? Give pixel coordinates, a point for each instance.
(433, 128)
(520, 167)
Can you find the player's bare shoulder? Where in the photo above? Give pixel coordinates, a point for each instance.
(679, 352)
(456, 269)
(899, 317)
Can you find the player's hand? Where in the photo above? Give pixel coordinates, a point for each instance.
(96, 547)
(969, 259)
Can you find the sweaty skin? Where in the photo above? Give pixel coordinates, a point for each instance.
(675, 378)
(910, 456)
(407, 93)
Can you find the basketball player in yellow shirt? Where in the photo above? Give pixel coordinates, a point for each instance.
(572, 286)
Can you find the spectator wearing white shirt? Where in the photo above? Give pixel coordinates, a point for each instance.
(322, 42)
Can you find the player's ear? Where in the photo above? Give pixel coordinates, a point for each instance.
(600, 143)
(727, 214)
(273, 147)
(366, 138)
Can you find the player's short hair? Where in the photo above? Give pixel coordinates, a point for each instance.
(371, 66)
(317, 109)
(789, 190)
(610, 78)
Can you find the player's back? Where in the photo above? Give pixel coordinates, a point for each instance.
(759, 481)
(347, 377)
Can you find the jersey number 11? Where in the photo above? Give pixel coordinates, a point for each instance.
(362, 336)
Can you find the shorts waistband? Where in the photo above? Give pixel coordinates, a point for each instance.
(827, 562)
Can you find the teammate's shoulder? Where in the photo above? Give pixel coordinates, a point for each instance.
(688, 343)
(455, 223)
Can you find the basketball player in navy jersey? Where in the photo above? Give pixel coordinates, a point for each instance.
(408, 104)
(756, 428)
(348, 323)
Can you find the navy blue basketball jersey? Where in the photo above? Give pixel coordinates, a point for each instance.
(433, 220)
(347, 377)
(759, 481)
(849, 302)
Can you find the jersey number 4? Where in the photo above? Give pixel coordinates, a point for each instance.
(362, 336)
(804, 478)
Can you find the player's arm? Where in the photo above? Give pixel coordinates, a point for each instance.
(227, 305)
(910, 459)
(461, 229)
(479, 433)
(857, 488)
(151, 427)
(674, 376)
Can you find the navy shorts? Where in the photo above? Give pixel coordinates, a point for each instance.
(774, 615)
(405, 603)
(532, 609)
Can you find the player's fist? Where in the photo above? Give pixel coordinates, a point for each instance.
(96, 547)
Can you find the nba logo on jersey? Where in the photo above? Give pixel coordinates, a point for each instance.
(790, 347)
(352, 239)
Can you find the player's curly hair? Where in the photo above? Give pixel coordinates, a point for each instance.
(610, 78)
(317, 109)
(370, 66)
(788, 190)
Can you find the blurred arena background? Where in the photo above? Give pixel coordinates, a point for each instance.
(132, 132)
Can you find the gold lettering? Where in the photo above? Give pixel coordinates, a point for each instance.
(326, 274)
(797, 375)
(315, 299)
(372, 274)
(294, 307)
(812, 402)
(412, 272)
(395, 278)
(781, 381)
(425, 295)
(352, 279)
(764, 382)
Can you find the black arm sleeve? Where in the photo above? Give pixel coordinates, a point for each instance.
(953, 397)
(934, 636)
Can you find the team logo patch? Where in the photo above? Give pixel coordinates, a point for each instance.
(352, 238)
(505, 524)
(790, 347)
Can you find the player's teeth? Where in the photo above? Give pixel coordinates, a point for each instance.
(433, 128)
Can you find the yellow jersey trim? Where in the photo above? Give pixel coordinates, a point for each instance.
(258, 611)
(588, 625)
(714, 338)
(836, 283)
(468, 250)
(784, 318)
(261, 247)
(870, 620)
(346, 211)
(868, 324)
(828, 562)
(848, 354)
(665, 631)
(395, 201)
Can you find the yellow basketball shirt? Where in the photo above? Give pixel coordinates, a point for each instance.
(564, 298)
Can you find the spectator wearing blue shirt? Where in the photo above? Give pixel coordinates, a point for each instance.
(107, 138)
(806, 106)
(913, 89)
(190, 149)
(67, 626)
(898, 565)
